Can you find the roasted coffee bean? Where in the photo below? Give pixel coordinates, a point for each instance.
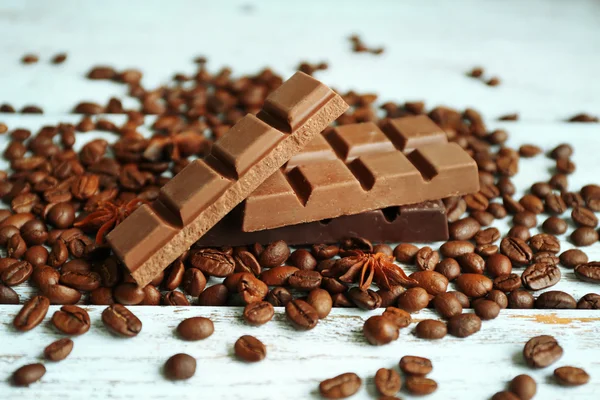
(590, 301)
(302, 259)
(426, 259)
(31, 314)
(520, 299)
(180, 367)
(431, 329)
(152, 296)
(58, 350)
(195, 328)
(471, 263)
(36, 255)
(464, 229)
(6, 232)
(449, 268)
(559, 182)
(487, 236)
(455, 208)
(584, 236)
(401, 318)
(215, 295)
(483, 217)
(321, 301)
(486, 309)
(324, 251)
(250, 349)
(16, 273)
(379, 330)
(174, 298)
(591, 196)
(519, 232)
(44, 275)
(128, 293)
(532, 203)
(555, 203)
(462, 299)
(387, 381)
(511, 205)
(562, 151)
(542, 351)
(71, 320)
(420, 385)
(193, 282)
(571, 376)
(544, 242)
(6, 262)
(497, 210)
(529, 150)
(102, 296)
(572, 258)
(8, 295)
(540, 276)
(16, 246)
(251, 289)
(498, 265)
(278, 276)
(555, 299)
(516, 250)
(28, 374)
(246, 262)
(447, 305)
(554, 225)
(498, 297)
(58, 255)
(504, 395)
(507, 283)
(455, 248)
(523, 386)
(525, 218)
(305, 280)
(341, 386)
(274, 254)
(383, 249)
(464, 325)
(416, 366)
(487, 250)
(476, 201)
(433, 282)
(545, 257)
(413, 300)
(174, 275)
(110, 272)
(61, 215)
(390, 297)
(119, 320)
(258, 313)
(367, 299)
(212, 262)
(572, 199)
(588, 272)
(279, 297)
(474, 285)
(405, 253)
(301, 314)
(341, 300)
(565, 166)
(85, 281)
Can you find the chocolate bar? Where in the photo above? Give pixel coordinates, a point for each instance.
(418, 223)
(359, 167)
(206, 190)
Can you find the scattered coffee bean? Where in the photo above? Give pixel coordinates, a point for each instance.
(498, 297)
(341, 386)
(464, 229)
(431, 329)
(584, 236)
(180, 366)
(486, 309)
(195, 328)
(8, 295)
(274, 254)
(405, 253)
(321, 301)
(258, 313)
(504, 395)
(542, 351)
(32, 313)
(464, 325)
(420, 385)
(250, 349)
(28, 374)
(401, 318)
(571, 376)
(498, 265)
(379, 330)
(447, 305)
(301, 314)
(590, 301)
(554, 225)
(507, 283)
(426, 259)
(387, 381)
(516, 250)
(416, 366)
(540, 276)
(303, 259)
(367, 299)
(413, 299)
(523, 386)
(555, 299)
(520, 299)
(58, 350)
(474, 285)
(572, 258)
(279, 297)
(71, 320)
(121, 321)
(433, 282)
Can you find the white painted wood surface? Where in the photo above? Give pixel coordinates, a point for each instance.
(547, 55)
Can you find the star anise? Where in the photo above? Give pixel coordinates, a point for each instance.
(107, 216)
(366, 268)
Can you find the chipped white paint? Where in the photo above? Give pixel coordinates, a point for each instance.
(542, 51)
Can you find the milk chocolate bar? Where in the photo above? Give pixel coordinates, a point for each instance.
(417, 223)
(359, 167)
(206, 190)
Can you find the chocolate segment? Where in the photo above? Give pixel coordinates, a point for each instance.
(370, 171)
(206, 190)
(418, 223)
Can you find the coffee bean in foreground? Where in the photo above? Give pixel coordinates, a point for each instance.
(28, 374)
(341, 386)
(542, 351)
(32, 313)
(195, 328)
(524, 386)
(571, 376)
(58, 350)
(250, 349)
(120, 321)
(387, 381)
(180, 366)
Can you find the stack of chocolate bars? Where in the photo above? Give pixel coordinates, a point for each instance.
(281, 175)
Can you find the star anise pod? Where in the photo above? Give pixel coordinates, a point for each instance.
(366, 268)
(106, 216)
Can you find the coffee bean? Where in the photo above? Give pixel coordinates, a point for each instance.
(420, 385)
(462, 299)
(405, 253)
(571, 376)
(250, 349)
(367, 299)
(279, 297)
(413, 299)
(119, 320)
(341, 386)
(590, 301)
(555, 299)
(102, 296)
(246, 262)
(498, 265)
(486, 309)
(486, 250)
(212, 262)
(426, 259)
(540, 276)
(215, 295)
(511, 205)
(383, 249)
(474, 285)
(554, 203)
(305, 280)
(279, 276)
(498, 297)
(529, 150)
(174, 298)
(584, 236)
(324, 251)
(519, 232)
(6, 232)
(258, 313)
(588, 272)
(85, 281)
(60, 294)
(471, 263)
(274, 254)
(431, 329)
(507, 283)
(180, 366)
(302, 259)
(476, 201)
(28, 374)
(250, 289)
(520, 299)
(455, 208)
(195, 328)
(128, 293)
(455, 248)
(16, 273)
(174, 275)
(591, 196)
(497, 210)
(433, 282)
(356, 243)
(321, 301)
(58, 350)
(562, 151)
(504, 395)
(545, 257)
(554, 225)
(416, 366)
(572, 258)
(301, 314)
(544, 242)
(379, 330)
(8, 295)
(58, 255)
(61, 215)
(71, 320)
(559, 182)
(193, 282)
(401, 318)
(44, 275)
(447, 305)
(16, 246)
(464, 325)
(464, 229)
(573, 199)
(341, 300)
(31, 314)
(523, 386)
(542, 351)
(387, 381)
(449, 268)
(516, 250)
(525, 218)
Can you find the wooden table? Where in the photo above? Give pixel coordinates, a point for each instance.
(547, 55)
